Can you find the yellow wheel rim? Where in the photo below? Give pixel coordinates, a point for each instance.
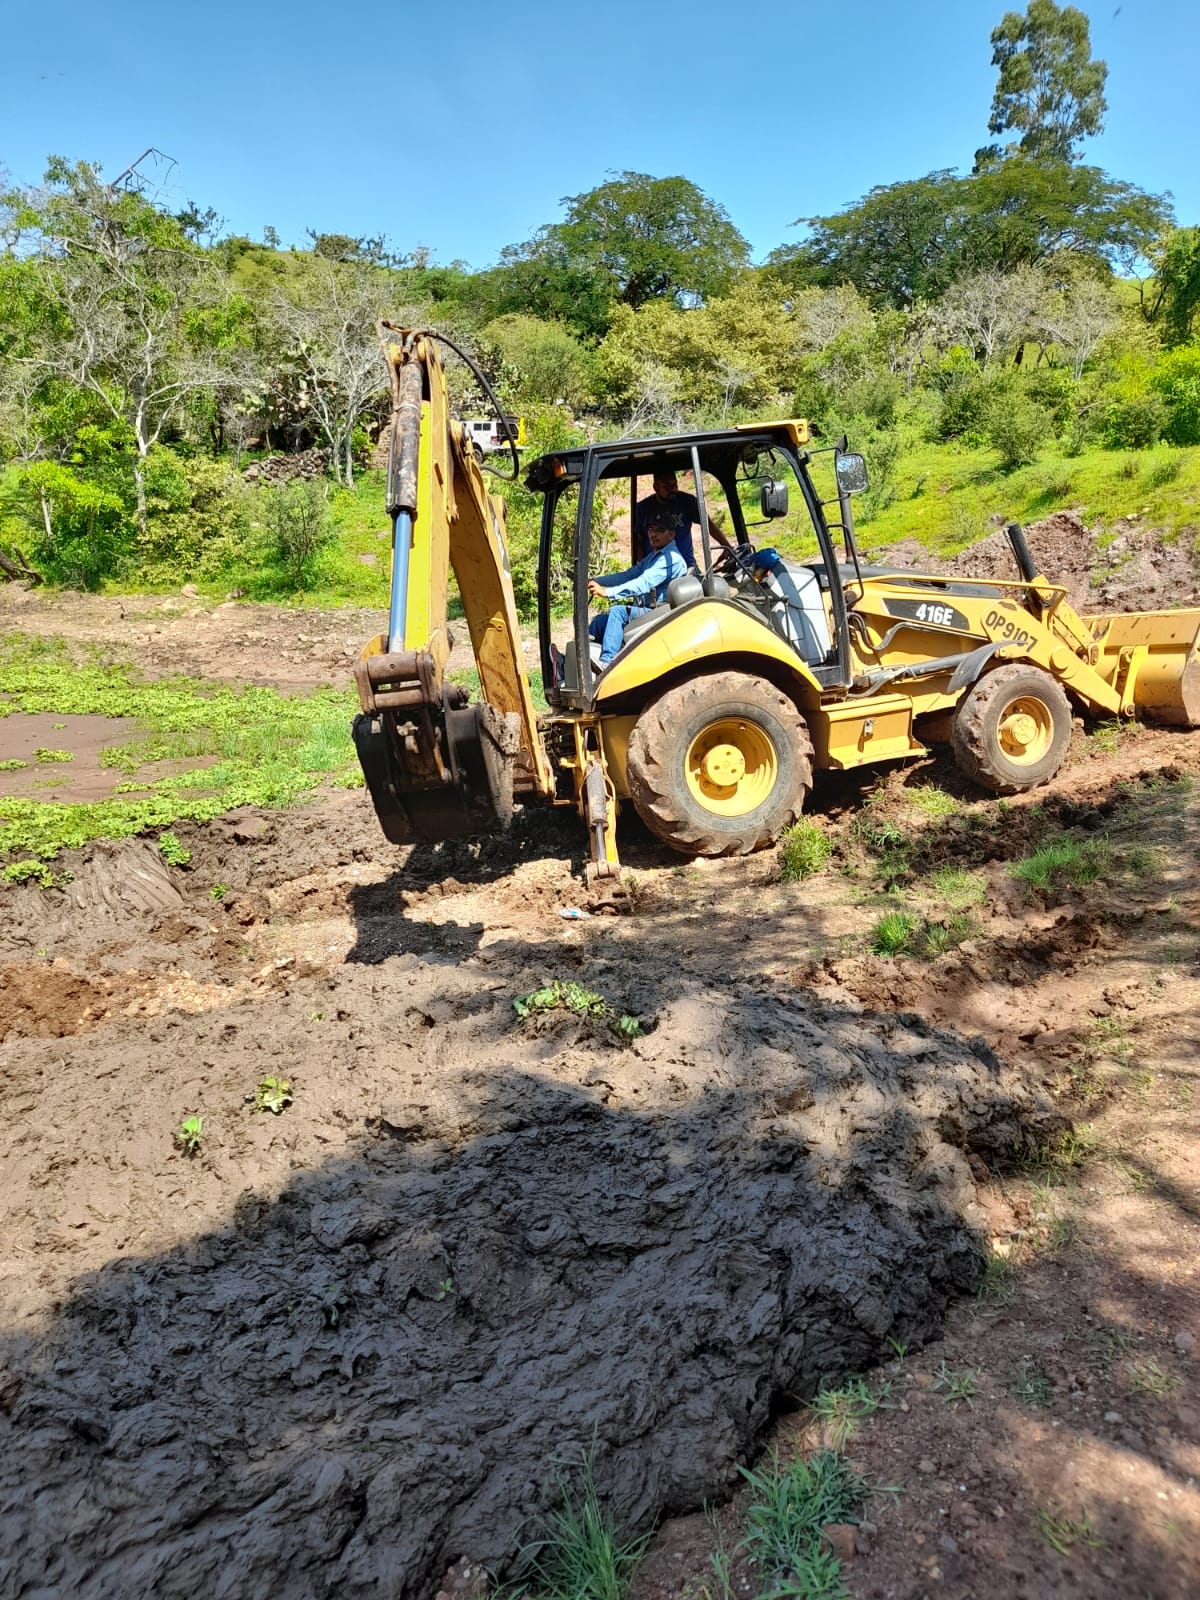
(1026, 730)
(732, 767)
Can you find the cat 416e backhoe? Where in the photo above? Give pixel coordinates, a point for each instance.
(757, 671)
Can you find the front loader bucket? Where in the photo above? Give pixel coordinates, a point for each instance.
(1153, 657)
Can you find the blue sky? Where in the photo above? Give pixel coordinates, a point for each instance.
(461, 125)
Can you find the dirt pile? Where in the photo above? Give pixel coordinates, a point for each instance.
(1132, 569)
(340, 1347)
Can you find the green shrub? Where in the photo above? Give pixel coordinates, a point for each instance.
(1177, 380)
(1054, 389)
(1134, 421)
(966, 399)
(1017, 427)
(298, 525)
(199, 523)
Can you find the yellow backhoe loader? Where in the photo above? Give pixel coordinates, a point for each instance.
(756, 672)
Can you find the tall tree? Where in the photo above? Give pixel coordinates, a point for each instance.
(135, 314)
(1050, 89)
(327, 318)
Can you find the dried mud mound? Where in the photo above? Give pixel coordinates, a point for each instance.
(1136, 570)
(344, 1346)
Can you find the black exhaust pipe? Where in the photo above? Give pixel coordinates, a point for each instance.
(1021, 553)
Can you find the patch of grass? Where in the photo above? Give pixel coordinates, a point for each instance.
(958, 888)
(13, 764)
(932, 801)
(938, 937)
(998, 1286)
(45, 757)
(1106, 737)
(580, 1556)
(899, 933)
(566, 995)
(1149, 1377)
(1063, 1532)
(788, 1507)
(955, 1386)
(840, 1410)
(266, 749)
(1029, 1385)
(1065, 861)
(804, 849)
(894, 933)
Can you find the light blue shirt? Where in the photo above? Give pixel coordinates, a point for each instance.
(647, 580)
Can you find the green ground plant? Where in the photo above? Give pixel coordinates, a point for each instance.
(1029, 1385)
(13, 764)
(46, 757)
(580, 1555)
(804, 850)
(932, 801)
(251, 746)
(29, 871)
(957, 1386)
(174, 853)
(1065, 861)
(959, 888)
(788, 1507)
(841, 1409)
(190, 1134)
(1063, 1532)
(273, 1095)
(894, 932)
(567, 995)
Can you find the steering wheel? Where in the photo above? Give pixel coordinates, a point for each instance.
(738, 560)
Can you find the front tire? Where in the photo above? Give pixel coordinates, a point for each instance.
(720, 765)
(1012, 729)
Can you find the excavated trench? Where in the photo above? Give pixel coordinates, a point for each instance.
(339, 1348)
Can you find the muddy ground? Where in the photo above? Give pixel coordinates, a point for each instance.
(348, 1347)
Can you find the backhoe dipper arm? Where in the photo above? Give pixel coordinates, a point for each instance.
(436, 766)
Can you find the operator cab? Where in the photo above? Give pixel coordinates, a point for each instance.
(754, 485)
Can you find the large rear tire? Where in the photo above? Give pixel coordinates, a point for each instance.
(1011, 730)
(720, 765)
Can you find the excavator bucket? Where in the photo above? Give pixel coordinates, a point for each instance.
(1153, 659)
(435, 767)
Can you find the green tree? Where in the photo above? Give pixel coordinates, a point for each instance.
(629, 241)
(135, 313)
(545, 362)
(1173, 294)
(654, 239)
(1050, 89)
(908, 242)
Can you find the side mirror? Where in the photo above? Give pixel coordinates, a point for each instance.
(773, 498)
(851, 472)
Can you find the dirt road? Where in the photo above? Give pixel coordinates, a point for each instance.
(336, 1349)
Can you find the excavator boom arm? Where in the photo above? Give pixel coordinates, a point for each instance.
(436, 766)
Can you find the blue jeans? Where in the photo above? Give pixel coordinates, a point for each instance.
(609, 628)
